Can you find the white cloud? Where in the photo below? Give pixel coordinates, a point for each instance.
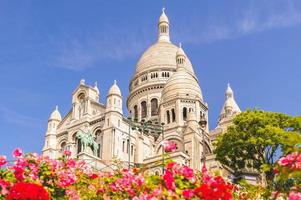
(256, 17)
(14, 117)
(76, 54)
(128, 41)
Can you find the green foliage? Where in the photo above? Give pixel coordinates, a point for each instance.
(256, 138)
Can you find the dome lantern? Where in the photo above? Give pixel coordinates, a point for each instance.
(180, 56)
(163, 27)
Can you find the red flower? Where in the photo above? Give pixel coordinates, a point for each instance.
(187, 193)
(17, 152)
(169, 180)
(27, 191)
(214, 189)
(2, 160)
(93, 176)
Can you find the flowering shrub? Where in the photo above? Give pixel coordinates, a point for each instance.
(36, 177)
(288, 176)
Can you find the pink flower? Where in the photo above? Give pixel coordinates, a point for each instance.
(72, 194)
(66, 178)
(67, 153)
(3, 186)
(187, 193)
(169, 146)
(2, 160)
(17, 152)
(71, 163)
(292, 161)
(294, 196)
(187, 172)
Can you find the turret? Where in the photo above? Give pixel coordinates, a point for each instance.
(54, 120)
(114, 99)
(163, 27)
(230, 107)
(50, 138)
(180, 57)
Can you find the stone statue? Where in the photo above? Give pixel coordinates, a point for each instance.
(87, 140)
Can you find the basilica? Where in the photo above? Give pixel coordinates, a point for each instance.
(165, 102)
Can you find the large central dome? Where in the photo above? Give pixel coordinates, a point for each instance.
(154, 68)
(160, 55)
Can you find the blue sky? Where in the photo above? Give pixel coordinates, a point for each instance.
(46, 47)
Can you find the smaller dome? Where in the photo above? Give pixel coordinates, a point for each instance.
(180, 51)
(163, 17)
(55, 115)
(115, 89)
(181, 84)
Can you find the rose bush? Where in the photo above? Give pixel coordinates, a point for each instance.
(32, 176)
(288, 177)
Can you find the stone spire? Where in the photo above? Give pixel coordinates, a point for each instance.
(163, 27)
(230, 107)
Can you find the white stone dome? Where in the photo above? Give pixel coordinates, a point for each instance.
(182, 84)
(55, 115)
(115, 89)
(159, 56)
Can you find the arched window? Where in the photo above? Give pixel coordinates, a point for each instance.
(127, 146)
(173, 115)
(154, 107)
(135, 112)
(123, 146)
(99, 140)
(63, 147)
(184, 113)
(82, 106)
(132, 150)
(143, 109)
(79, 146)
(168, 116)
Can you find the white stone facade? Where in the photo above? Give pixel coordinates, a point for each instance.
(163, 89)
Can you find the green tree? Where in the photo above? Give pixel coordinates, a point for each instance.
(256, 140)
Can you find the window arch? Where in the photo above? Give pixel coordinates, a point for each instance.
(63, 147)
(154, 107)
(173, 115)
(132, 149)
(127, 146)
(99, 140)
(184, 113)
(123, 146)
(168, 117)
(135, 112)
(143, 109)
